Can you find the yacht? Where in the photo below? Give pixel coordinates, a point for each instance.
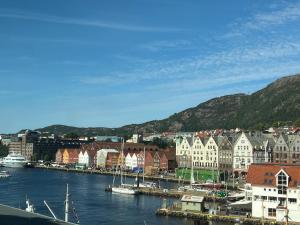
(14, 160)
(124, 190)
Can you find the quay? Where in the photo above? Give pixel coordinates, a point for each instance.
(232, 219)
(109, 173)
(15, 216)
(173, 193)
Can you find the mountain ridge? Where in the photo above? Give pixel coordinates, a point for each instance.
(278, 101)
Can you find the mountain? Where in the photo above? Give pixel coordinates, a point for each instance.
(279, 101)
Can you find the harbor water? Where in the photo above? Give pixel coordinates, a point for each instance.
(92, 204)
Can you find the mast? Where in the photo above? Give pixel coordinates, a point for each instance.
(121, 172)
(192, 168)
(67, 205)
(144, 165)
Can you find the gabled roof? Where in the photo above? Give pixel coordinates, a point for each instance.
(265, 174)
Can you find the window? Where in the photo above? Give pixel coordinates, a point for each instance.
(282, 179)
(271, 212)
(273, 199)
(292, 200)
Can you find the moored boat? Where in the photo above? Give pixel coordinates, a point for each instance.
(14, 160)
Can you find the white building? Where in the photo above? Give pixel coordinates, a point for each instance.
(184, 151)
(83, 158)
(131, 161)
(242, 153)
(274, 191)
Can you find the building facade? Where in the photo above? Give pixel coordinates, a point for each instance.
(275, 191)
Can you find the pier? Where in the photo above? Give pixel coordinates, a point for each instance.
(233, 219)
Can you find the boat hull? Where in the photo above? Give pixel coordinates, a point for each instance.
(14, 164)
(123, 190)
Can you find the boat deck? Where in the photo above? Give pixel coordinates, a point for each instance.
(14, 216)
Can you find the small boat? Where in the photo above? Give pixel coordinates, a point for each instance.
(4, 174)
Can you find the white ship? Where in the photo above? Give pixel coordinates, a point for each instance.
(14, 160)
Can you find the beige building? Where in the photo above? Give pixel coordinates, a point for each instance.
(192, 203)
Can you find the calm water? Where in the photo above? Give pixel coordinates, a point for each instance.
(93, 205)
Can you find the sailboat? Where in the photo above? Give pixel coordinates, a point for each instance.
(123, 188)
(145, 184)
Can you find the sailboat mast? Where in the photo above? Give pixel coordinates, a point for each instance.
(144, 165)
(67, 205)
(192, 168)
(122, 155)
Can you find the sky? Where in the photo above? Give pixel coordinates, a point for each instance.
(108, 63)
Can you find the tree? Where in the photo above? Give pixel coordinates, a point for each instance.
(71, 135)
(297, 122)
(3, 150)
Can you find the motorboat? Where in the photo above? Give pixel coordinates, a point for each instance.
(14, 160)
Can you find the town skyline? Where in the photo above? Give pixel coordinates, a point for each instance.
(92, 64)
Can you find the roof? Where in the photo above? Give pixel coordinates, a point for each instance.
(264, 174)
(192, 198)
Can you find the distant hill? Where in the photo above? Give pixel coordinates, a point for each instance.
(279, 101)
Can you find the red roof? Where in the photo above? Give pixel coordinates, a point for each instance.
(265, 174)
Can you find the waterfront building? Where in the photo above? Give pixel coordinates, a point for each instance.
(70, 155)
(211, 153)
(112, 160)
(140, 159)
(192, 203)
(101, 157)
(274, 191)
(198, 153)
(131, 160)
(295, 149)
(251, 148)
(59, 156)
(281, 153)
(15, 147)
(225, 155)
(183, 151)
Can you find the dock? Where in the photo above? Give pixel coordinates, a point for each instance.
(110, 173)
(200, 216)
(15, 216)
(173, 193)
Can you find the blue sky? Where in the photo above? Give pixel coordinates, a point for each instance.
(111, 63)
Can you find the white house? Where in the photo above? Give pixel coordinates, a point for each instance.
(131, 160)
(275, 191)
(242, 153)
(211, 153)
(184, 151)
(81, 158)
(198, 152)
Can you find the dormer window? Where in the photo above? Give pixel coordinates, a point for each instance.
(282, 182)
(282, 179)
